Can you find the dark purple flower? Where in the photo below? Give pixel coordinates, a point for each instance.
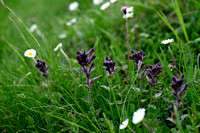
(179, 89)
(85, 60)
(178, 86)
(143, 74)
(137, 57)
(41, 66)
(109, 66)
(153, 73)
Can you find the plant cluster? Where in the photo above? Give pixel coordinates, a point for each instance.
(140, 90)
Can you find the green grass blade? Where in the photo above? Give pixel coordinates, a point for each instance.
(180, 18)
(164, 18)
(10, 45)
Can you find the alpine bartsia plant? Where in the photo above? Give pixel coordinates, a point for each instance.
(179, 89)
(109, 66)
(87, 66)
(153, 73)
(138, 58)
(41, 66)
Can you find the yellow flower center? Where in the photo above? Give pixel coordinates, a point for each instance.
(128, 15)
(30, 53)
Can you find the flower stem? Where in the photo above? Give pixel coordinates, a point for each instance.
(127, 39)
(173, 60)
(110, 94)
(131, 129)
(89, 96)
(88, 82)
(68, 62)
(110, 87)
(47, 81)
(148, 126)
(34, 60)
(141, 89)
(154, 95)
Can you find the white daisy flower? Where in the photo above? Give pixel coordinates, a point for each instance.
(62, 36)
(129, 9)
(105, 6)
(69, 23)
(73, 6)
(59, 46)
(31, 53)
(128, 15)
(113, 1)
(73, 20)
(138, 116)
(97, 2)
(124, 124)
(33, 27)
(128, 12)
(167, 41)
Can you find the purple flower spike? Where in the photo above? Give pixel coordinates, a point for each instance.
(179, 89)
(177, 83)
(90, 51)
(136, 57)
(153, 73)
(178, 86)
(85, 60)
(41, 66)
(109, 66)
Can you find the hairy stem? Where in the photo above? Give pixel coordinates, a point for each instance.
(68, 62)
(34, 60)
(88, 81)
(47, 81)
(141, 89)
(131, 129)
(127, 39)
(148, 126)
(173, 60)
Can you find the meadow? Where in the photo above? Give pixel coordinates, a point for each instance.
(100, 66)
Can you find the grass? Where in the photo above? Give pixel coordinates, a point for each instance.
(63, 105)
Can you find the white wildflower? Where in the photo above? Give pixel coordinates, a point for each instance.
(105, 6)
(138, 116)
(113, 1)
(124, 124)
(167, 41)
(69, 23)
(59, 46)
(129, 9)
(31, 53)
(62, 36)
(129, 13)
(73, 6)
(97, 2)
(33, 27)
(72, 21)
